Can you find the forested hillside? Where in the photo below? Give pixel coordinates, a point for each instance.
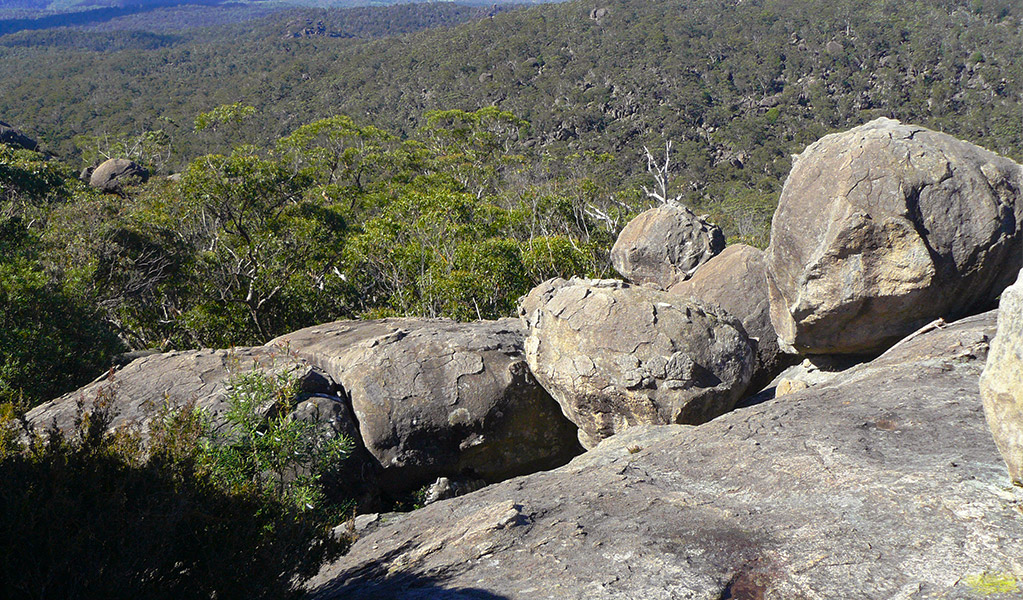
(475, 159)
(737, 86)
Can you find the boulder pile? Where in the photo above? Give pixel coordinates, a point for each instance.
(867, 470)
(883, 483)
(434, 398)
(735, 281)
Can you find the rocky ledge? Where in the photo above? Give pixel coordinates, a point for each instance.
(882, 482)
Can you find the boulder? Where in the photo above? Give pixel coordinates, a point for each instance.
(881, 484)
(664, 245)
(115, 172)
(139, 392)
(16, 139)
(1001, 385)
(615, 355)
(884, 228)
(735, 281)
(435, 398)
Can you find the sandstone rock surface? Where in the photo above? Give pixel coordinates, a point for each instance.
(115, 172)
(138, 392)
(1001, 385)
(436, 398)
(881, 484)
(664, 245)
(615, 355)
(886, 227)
(736, 281)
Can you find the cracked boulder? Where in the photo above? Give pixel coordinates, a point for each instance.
(882, 483)
(734, 280)
(1001, 386)
(884, 228)
(435, 398)
(615, 355)
(141, 390)
(664, 245)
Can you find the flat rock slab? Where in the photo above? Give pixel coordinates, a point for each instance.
(138, 392)
(883, 483)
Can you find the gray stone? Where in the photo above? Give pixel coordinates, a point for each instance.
(883, 483)
(735, 281)
(615, 355)
(115, 172)
(16, 139)
(1001, 386)
(884, 228)
(137, 393)
(436, 398)
(664, 245)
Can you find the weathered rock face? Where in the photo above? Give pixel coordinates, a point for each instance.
(664, 245)
(15, 138)
(615, 355)
(1001, 386)
(139, 391)
(885, 227)
(881, 484)
(115, 172)
(735, 281)
(437, 398)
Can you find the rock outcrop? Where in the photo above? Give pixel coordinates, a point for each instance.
(735, 280)
(884, 228)
(883, 483)
(15, 138)
(615, 355)
(435, 398)
(1001, 385)
(112, 174)
(146, 386)
(664, 245)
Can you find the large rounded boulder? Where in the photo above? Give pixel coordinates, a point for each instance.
(615, 355)
(885, 227)
(114, 173)
(1001, 385)
(664, 245)
(735, 280)
(436, 398)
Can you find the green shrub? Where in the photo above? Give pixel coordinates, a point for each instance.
(92, 515)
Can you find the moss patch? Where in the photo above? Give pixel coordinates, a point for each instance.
(992, 583)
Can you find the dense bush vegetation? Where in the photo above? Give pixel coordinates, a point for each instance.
(739, 86)
(334, 220)
(240, 515)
